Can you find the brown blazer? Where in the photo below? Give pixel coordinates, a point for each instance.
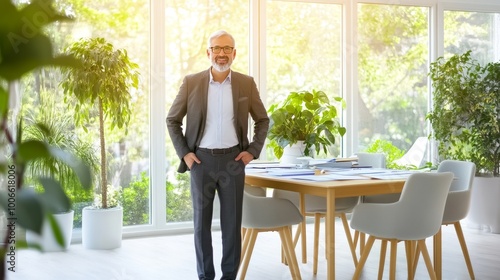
(191, 102)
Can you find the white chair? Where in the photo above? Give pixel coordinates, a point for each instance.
(263, 214)
(416, 216)
(458, 201)
(375, 160)
(315, 206)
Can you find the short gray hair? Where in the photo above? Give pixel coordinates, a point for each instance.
(218, 34)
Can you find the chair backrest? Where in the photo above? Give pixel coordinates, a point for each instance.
(268, 212)
(464, 172)
(375, 160)
(255, 190)
(421, 205)
(458, 201)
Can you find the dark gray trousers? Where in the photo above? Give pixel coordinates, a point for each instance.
(222, 174)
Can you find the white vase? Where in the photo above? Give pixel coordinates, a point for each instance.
(485, 209)
(102, 228)
(47, 240)
(291, 153)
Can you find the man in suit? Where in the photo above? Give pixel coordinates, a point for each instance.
(215, 148)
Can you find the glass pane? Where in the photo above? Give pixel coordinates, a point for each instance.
(474, 31)
(188, 25)
(128, 154)
(393, 64)
(303, 52)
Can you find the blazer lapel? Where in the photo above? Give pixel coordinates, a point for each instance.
(204, 95)
(235, 87)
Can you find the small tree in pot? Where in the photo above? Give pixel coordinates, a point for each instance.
(465, 116)
(306, 116)
(105, 81)
(465, 119)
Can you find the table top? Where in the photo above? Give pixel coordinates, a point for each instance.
(342, 188)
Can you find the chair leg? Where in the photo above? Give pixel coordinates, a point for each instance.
(287, 243)
(410, 254)
(347, 230)
(317, 221)
(252, 236)
(394, 253)
(297, 236)
(381, 264)
(461, 239)
(427, 259)
(244, 246)
(364, 257)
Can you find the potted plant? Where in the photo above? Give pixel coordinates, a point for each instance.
(465, 119)
(20, 54)
(105, 81)
(306, 120)
(54, 129)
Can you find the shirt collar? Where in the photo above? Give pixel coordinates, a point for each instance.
(228, 78)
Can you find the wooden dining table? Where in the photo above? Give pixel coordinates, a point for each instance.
(332, 190)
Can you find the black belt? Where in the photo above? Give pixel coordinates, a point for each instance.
(220, 151)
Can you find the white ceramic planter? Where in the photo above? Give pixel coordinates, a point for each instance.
(102, 228)
(485, 208)
(291, 153)
(46, 240)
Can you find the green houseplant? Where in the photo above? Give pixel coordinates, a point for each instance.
(465, 119)
(55, 129)
(105, 82)
(20, 53)
(465, 116)
(307, 117)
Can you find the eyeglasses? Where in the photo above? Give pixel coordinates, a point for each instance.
(227, 49)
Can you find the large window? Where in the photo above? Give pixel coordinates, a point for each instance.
(303, 51)
(188, 24)
(375, 54)
(122, 24)
(393, 52)
(474, 31)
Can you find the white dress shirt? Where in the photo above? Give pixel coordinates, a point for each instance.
(219, 126)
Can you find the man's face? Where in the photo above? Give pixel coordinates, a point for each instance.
(221, 61)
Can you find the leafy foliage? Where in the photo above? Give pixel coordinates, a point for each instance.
(20, 53)
(391, 152)
(305, 116)
(135, 201)
(466, 112)
(105, 80)
(49, 126)
(179, 207)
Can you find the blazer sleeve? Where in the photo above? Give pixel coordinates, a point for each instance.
(175, 117)
(261, 122)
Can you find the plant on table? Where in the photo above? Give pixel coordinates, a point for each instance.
(306, 116)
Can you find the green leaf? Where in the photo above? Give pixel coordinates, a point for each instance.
(32, 150)
(56, 230)
(23, 207)
(4, 101)
(54, 198)
(82, 170)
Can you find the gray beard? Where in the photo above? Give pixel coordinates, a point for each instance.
(220, 68)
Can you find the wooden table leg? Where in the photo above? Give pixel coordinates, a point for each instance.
(438, 263)
(330, 234)
(302, 205)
